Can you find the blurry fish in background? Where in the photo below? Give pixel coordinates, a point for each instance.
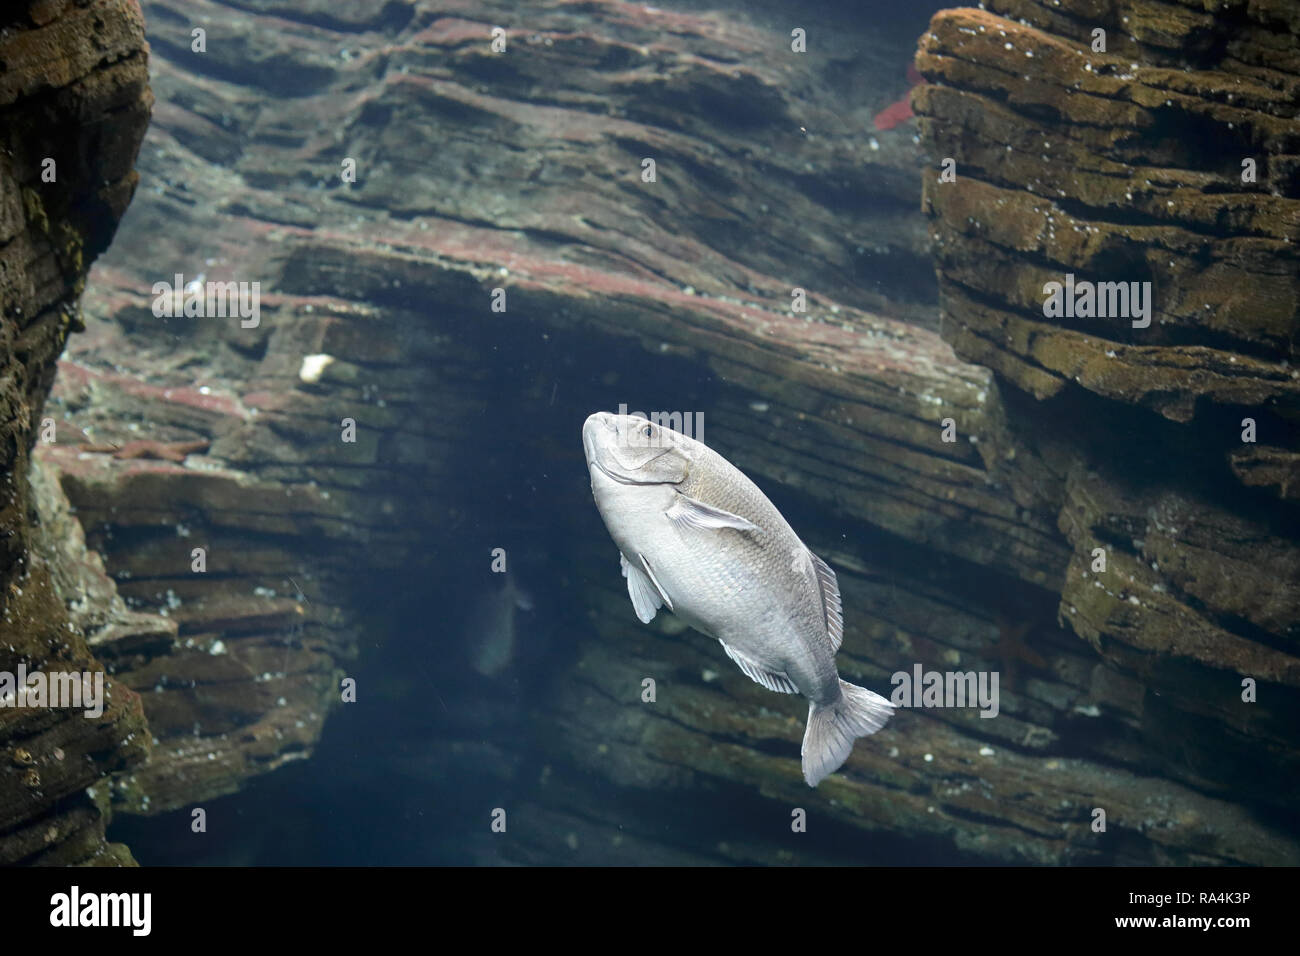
(491, 625)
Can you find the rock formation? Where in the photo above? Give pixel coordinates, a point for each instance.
(74, 104)
(1155, 144)
(387, 177)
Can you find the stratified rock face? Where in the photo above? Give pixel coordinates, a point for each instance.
(1168, 449)
(379, 171)
(1169, 159)
(461, 255)
(74, 103)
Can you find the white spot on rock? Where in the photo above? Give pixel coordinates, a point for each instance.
(313, 366)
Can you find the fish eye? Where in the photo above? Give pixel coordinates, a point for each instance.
(647, 431)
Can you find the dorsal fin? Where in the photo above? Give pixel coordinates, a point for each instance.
(830, 589)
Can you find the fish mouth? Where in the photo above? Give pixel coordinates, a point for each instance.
(589, 428)
(621, 479)
(624, 479)
(594, 424)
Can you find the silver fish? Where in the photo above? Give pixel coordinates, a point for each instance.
(698, 537)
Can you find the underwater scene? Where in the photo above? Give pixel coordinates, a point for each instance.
(707, 433)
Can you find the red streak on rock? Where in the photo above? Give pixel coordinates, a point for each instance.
(901, 111)
(215, 402)
(895, 113)
(450, 31)
(175, 451)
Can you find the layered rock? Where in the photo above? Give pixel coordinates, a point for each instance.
(1120, 166)
(521, 171)
(74, 103)
(1168, 158)
(202, 433)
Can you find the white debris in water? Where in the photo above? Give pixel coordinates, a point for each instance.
(313, 366)
(218, 647)
(986, 751)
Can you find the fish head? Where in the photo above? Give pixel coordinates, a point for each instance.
(631, 450)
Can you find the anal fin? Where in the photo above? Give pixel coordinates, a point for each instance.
(830, 591)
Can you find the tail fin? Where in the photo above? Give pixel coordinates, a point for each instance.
(832, 729)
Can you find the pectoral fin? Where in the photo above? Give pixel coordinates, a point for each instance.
(769, 679)
(647, 596)
(690, 513)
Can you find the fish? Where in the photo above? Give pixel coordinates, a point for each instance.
(492, 626)
(696, 536)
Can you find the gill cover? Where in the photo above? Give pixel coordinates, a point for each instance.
(640, 452)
